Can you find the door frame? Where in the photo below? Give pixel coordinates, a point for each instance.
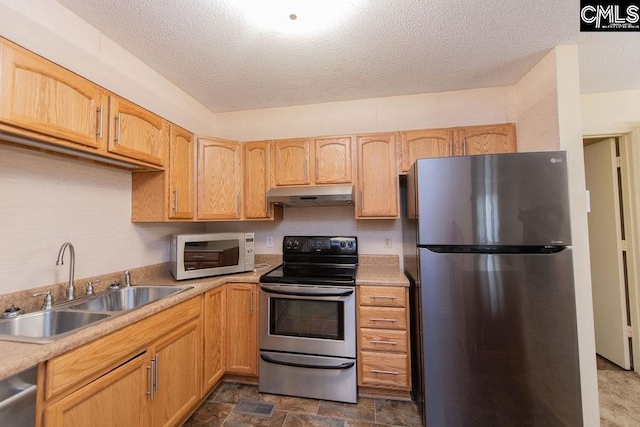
(630, 169)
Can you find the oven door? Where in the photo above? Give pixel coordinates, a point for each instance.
(308, 319)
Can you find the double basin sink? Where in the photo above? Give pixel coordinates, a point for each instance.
(49, 325)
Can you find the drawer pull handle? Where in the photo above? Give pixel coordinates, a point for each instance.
(378, 371)
(384, 342)
(384, 296)
(379, 319)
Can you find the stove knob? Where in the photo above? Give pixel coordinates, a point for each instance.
(342, 244)
(295, 244)
(350, 244)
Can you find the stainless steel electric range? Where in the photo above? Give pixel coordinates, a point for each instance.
(308, 320)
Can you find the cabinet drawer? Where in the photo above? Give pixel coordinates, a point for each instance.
(384, 369)
(382, 339)
(383, 318)
(383, 296)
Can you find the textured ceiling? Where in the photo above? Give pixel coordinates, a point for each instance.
(382, 48)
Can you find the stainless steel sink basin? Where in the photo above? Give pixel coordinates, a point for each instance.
(46, 326)
(125, 299)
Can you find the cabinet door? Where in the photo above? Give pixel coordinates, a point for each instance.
(136, 133)
(333, 160)
(219, 179)
(178, 372)
(291, 162)
(181, 170)
(256, 179)
(213, 322)
(426, 143)
(377, 176)
(117, 398)
(242, 329)
(40, 96)
(492, 139)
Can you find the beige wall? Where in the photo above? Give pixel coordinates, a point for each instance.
(536, 97)
(570, 126)
(48, 200)
(421, 111)
(610, 113)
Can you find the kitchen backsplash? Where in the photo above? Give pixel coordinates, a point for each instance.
(48, 200)
(320, 221)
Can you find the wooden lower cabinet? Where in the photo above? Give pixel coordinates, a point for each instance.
(177, 362)
(383, 338)
(116, 399)
(242, 329)
(145, 374)
(213, 331)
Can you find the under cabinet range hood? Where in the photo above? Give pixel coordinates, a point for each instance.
(326, 195)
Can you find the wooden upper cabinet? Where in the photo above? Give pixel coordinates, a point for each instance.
(181, 171)
(136, 133)
(219, 179)
(425, 143)
(40, 96)
(333, 160)
(377, 185)
(491, 139)
(256, 179)
(292, 162)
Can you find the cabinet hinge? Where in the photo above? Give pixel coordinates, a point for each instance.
(618, 162)
(624, 245)
(629, 331)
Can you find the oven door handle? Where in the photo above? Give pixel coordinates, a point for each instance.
(319, 293)
(270, 359)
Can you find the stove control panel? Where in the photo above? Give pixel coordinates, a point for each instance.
(323, 245)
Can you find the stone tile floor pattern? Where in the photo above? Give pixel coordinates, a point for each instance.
(217, 410)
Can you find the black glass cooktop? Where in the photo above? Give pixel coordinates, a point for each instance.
(316, 260)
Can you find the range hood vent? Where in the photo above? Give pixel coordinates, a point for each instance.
(327, 195)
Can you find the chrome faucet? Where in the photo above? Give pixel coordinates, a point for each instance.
(71, 291)
(127, 279)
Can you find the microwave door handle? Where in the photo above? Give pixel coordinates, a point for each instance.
(270, 359)
(319, 293)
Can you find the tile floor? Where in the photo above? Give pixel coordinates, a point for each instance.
(217, 410)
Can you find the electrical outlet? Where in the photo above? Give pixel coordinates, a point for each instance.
(387, 242)
(269, 241)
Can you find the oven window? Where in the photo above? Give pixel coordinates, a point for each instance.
(211, 254)
(306, 318)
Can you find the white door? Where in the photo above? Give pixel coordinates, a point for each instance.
(606, 246)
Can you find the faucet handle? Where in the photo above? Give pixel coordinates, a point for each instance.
(48, 299)
(90, 286)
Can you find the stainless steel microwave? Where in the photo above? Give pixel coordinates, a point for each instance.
(211, 254)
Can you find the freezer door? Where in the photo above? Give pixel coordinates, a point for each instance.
(516, 199)
(499, 340)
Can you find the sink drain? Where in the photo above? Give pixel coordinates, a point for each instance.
(254, 407)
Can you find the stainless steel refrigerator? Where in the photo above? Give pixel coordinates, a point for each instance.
(493, 317)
